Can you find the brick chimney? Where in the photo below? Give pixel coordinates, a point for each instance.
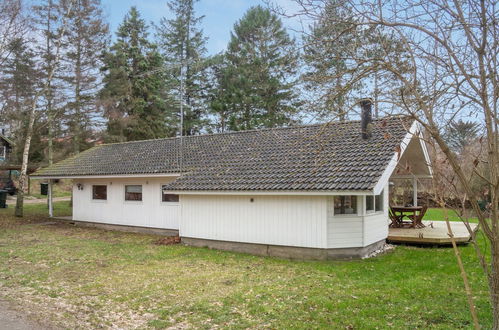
(366, 117)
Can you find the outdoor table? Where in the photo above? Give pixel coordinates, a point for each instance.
(411, 212)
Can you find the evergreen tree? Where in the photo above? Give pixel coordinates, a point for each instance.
(325, 48)
(336, 50)
(217, 68)
(460, 134)
(134, 92)
(86, 38)
(18, 80)
(48, 15)
(184, 48)
(257, 83)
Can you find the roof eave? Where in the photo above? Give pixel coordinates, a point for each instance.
(106, 176)
(272, 192)
(414, 130)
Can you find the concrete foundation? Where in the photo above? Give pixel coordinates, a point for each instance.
(128, 229)
(289, 252)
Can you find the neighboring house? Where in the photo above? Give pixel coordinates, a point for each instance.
(5, 148)
(317, 191)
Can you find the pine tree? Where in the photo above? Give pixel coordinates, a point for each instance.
(48, 15)
(257, 83)
(336, 50)
(460, 134)
(18, 80)
(326, 79)
(217, 68)
(184, 48)
(86, 38)
(134, 93)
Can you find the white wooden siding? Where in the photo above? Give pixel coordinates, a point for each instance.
(375, 228)
(376, 224)
(276, 220)
(343, 230)
(356, 230)
(304, 221)
(150, 212)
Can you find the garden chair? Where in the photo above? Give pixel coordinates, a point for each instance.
(396, 220)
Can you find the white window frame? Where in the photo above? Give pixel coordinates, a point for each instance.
(92, 193)
(354, 214)
(161, 197)
(132, 201)
(374, 211)
(374, 204)
(382, 196)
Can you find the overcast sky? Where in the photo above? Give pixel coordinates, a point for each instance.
(220, 16)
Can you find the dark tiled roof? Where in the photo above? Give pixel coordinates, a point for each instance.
(323, 157)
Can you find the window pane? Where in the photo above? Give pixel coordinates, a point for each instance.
(99, 192)
(369, 203)
(133, 193)
(345, 204)
(379, 202)
(166, 197)
(170, 198)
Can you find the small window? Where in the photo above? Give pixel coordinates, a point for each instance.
(345, 204)
(369, 203)
(99, 192)
(378, 202)
(169, 198)
(133, 193)
(3, 152)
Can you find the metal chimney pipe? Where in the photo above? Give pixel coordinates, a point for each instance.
(366, 117)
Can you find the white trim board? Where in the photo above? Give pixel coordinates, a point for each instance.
(413, 131)
(268, 193)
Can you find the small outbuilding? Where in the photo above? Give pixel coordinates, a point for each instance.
(316, 191)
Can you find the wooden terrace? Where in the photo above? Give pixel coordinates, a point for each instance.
(434, 233)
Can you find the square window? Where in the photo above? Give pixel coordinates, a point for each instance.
(345, 204)
(133, 193)
(169, 198)
(99, 192)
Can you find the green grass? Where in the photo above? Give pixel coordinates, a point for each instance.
(88, 278)
(55, 194)
(61, 189)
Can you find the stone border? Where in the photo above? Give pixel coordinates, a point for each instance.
(288, 252)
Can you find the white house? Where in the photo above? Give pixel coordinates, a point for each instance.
(317, 191)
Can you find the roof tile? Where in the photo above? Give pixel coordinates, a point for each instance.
(321, 157)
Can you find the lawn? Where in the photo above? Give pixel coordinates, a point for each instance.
(77, 277)
(61, 189)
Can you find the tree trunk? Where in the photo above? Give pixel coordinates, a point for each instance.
(494, 283)
(23, 178)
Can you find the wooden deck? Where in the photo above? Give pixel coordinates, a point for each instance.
(435, 233)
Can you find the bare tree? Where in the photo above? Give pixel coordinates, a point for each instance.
(450, 53)
(23, 178)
